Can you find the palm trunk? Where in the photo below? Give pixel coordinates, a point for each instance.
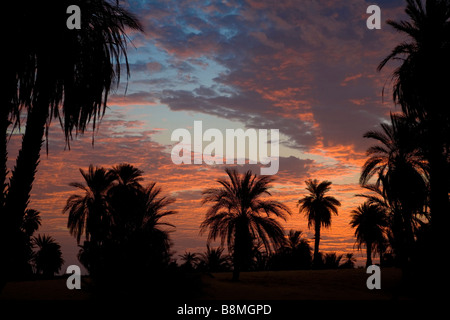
(369, 254)
(237, 253)
(317, 259)
(439, 189)
(20, 186)
(439, 201)
(236, 271)
(4, 124)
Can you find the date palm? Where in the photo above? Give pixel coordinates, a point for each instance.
(48, 258)
(402, 175)
(318, 208)
(214, 260)
(190, 259)
(124, 192)
(398, 164)
(121, 220)
(349, 262)
(420, 86)
(299, 250)
(240, 216)
(369, 221)
(88, 212)
(58, 74)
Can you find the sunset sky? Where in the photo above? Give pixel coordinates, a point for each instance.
(307, 68)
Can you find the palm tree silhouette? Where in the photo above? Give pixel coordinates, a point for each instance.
(214, 260)
(420, 87)
(58, 74)
(149, 235)
(349, 262)
(88, 213)
(190, 260)
(332, 260)
(398, 164)
(30, 224)
(369, 221)
(121, 220)
(401, 185)
(318, 207)
(299, 249)
(239, 215)
(48, 259)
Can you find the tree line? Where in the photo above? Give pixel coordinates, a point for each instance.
(56, 74)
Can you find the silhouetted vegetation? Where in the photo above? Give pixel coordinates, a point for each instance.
(240, 216)
(52, 73)
(411, 162)
(295, 254)
(318, 207)
(369, 221)
(48, 258)
(125, 235)
(122, 226)
(214, 260)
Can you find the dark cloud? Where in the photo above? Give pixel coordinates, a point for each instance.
(286, 65)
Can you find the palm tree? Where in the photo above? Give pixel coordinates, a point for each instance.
(349, 262)
(401, 185)
(31, 222)
(332, 260)
(239, 215)
(420, 86)
(88, 213)
(124, 192)
(121, 219)
(190, 260)
(59, 74)
(214, 260)
(48, 259)
(150, 233)
(299, 249)
(369, 221)
(398, 164)
(318, 207)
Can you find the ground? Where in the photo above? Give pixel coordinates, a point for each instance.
(301, 285)
(349, 284)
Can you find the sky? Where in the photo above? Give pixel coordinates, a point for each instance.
(306, 68)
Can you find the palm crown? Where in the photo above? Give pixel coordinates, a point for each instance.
(239, 215)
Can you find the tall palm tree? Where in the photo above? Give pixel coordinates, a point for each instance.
(59, 74)
(420, 86)
(402, 175)
(369, 221)
(398, 165)
(239, 215)
(88, 213)
(318, 207)
(48, 259)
